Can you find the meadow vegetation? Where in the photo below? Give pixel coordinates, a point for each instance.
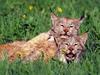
(24, 19)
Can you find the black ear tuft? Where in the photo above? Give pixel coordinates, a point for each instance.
(82, 17)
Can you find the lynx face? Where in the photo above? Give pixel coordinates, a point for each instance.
(72, 47)
(65, 26)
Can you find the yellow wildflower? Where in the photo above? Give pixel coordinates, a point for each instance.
(24, 16)
(30, 7)
(63, 50)
(19, 54)
(59, 9)
(22, 53)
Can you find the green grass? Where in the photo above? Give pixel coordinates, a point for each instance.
(14, 27)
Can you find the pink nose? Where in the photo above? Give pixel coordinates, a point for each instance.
(71, 48)
(66, 29)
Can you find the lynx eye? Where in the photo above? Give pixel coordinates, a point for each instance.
(75, 44)
(71, 26)
(62, 25)
(67, 44)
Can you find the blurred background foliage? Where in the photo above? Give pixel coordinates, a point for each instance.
(24, 19)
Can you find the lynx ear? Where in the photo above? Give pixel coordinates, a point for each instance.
(82, 18)
(83, 38)
(53, 18)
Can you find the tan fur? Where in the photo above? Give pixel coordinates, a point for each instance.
(10, 48)
(36, 47)
(30, 50)
(41, 45)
